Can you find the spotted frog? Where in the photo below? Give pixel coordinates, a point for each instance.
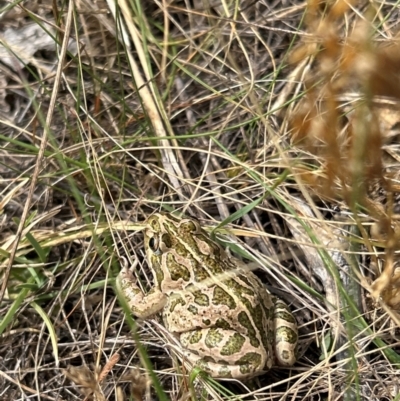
(227, 322)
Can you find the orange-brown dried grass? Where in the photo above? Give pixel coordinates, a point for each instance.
(339, 122)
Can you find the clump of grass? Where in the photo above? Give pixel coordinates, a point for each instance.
(347, 121)
(234, 113)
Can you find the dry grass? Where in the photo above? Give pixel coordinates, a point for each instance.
(279, 119)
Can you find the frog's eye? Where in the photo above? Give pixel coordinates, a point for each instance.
(154, 245)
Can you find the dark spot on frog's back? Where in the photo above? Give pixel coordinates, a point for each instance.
(221, 297)
(193, 309)
(201, 299)
(213, 338)
(249, 363)
(188, 226)
(233, 345)
(181, 250)
(176, 270)
(200, 273)
(222, 323)
(240, 290)
(176, 302)
(214, 265)
(195, 337)
(245, 322)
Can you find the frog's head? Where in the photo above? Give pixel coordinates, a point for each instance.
(168, 241)
(165, 232)
(176, 247)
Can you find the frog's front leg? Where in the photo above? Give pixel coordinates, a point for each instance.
(141, 305)
(224, 353)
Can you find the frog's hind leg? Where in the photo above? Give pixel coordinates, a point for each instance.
(286, 335)
(222, 370)
(223, 353)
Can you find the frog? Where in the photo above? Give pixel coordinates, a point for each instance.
(228, 324)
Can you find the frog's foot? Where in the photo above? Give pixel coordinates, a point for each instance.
(225, 353)
(141, 305)
(285, 333)
(222, 370)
